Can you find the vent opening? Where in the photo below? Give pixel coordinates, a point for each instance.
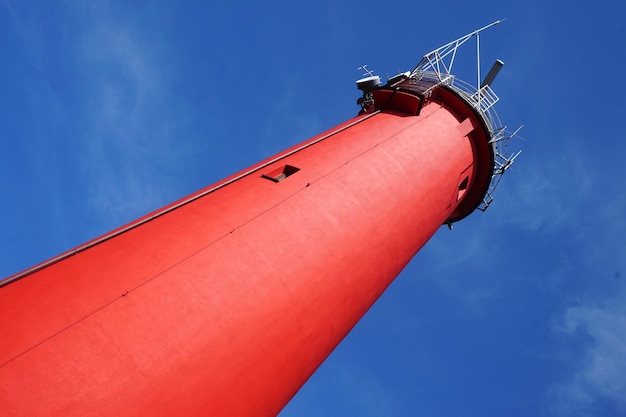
(281, 173)
(462, 188)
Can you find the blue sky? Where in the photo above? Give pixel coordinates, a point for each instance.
(112, 109)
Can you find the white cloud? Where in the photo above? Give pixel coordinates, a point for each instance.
(599, 315)
(544, 194)
(130, 120)
(601, 376)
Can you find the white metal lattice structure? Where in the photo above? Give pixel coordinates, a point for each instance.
(435, 70)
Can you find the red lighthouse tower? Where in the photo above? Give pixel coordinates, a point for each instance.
(224, 303)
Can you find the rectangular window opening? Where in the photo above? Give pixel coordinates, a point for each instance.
(462, 188)
(281, 173)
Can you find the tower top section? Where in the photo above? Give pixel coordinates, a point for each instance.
(433, 79)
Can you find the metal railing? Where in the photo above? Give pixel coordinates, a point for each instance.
(435, 70)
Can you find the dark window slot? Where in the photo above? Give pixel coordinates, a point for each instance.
(281, 173)
(462, 188)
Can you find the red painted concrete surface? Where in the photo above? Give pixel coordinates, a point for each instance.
(226, 305)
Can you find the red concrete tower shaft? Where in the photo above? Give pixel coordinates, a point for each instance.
(224, 303)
